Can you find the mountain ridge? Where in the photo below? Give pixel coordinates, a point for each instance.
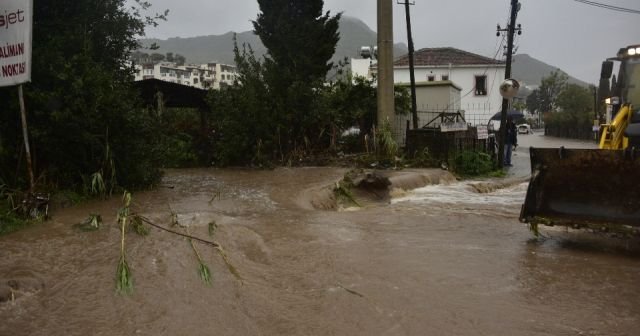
(354, 33)
(530, 71)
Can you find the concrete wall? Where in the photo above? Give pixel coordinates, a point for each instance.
(360, 67)
(432, 98)
(479, 109)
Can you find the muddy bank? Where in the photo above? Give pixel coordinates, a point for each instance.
(373, 188)
(486, 187)
(415, 267)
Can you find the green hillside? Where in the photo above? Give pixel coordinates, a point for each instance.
(201, 49)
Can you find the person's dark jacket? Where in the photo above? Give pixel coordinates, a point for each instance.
(512, 134)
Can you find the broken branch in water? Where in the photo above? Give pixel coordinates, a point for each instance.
(230, 266)
(350, 291)
(146, 220)
(217, 246)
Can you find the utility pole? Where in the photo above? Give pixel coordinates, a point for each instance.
(412, 75)
(386, 106)
(25, 134)
(511, 29)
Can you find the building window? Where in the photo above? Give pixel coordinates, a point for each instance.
(481, 85)
(431, 78)
(445, 77)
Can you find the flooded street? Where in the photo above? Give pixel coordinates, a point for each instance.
(446, 259)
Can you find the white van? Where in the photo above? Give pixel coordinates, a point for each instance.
(524, 129)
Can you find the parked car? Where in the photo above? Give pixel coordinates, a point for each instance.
(524, 129)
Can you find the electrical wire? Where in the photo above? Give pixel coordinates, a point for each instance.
(495, 58)
(500, 43)
(609, 7)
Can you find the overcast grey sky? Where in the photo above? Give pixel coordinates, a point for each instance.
(564, 33)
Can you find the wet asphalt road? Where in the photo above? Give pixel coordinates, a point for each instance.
(520, 159)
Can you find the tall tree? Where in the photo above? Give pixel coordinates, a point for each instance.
(545, 98)
(179, 59)
(533, 102)
(550, 89)
(300, 40)
(575, 99)
(157, 57)
(80, 104)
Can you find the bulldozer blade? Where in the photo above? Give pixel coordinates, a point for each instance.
(584, 188)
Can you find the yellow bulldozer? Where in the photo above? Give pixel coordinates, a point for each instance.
(598, 189)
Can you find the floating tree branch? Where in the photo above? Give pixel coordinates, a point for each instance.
(145, 220)
(230, 266)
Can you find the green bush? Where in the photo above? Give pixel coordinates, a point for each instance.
(470, 163)
(84, 116)
(183, 141)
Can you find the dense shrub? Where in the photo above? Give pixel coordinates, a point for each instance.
(83, 113)
(471, 163)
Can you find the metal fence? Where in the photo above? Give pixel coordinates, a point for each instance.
(478, 114)
(442, 145)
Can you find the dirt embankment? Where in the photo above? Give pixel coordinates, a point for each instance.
(372, 188)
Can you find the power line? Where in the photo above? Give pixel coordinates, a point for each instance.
(609, 7)
(500, 43)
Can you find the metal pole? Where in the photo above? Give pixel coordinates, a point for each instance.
(507, 74)
(412, 75)
(385, 63)
(595, 105)
(25, 135)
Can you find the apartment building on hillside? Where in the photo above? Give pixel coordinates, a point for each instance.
(202, 76)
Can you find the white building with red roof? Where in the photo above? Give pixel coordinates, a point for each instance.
(477, 76)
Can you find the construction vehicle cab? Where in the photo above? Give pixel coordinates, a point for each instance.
(622, 99)
(595, 188)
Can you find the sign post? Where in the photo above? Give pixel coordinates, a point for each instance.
(16, 18)
(16, 22)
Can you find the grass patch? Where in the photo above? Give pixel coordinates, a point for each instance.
(497, 173)
(10, 222)
(203, 269)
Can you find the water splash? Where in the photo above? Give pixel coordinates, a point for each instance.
(464, 196)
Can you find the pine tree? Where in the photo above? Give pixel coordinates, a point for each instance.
(300, 40)
(298, 36)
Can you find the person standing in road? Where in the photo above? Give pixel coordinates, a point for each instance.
(510, 141)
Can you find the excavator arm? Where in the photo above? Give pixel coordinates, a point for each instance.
(613, 134)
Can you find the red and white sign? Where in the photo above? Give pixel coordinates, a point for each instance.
(16, 21)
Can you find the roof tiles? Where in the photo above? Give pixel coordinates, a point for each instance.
(446, 56)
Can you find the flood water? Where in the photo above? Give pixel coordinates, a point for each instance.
(448, 259)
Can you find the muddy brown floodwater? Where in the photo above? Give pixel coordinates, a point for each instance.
(448, 259)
